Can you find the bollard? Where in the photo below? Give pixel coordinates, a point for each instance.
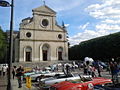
(28, 82)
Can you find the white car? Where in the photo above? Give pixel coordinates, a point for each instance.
(59, 78)
(35, 77)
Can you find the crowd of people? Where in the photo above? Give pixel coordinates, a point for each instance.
(16, 71)
(88, 69)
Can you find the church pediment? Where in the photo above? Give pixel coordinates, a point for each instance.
(44, 9)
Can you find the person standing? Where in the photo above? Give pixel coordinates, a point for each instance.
(97, 66)
(4, 69)
(114, 71)
(85, 69)
(14, 71)
(19, 74)
(67, 69)
(0, 69)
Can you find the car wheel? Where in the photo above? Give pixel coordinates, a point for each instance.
(37, 79)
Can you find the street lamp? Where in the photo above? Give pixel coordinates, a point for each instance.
(7, 4)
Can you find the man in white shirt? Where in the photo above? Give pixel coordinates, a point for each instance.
(4, 69)
(0, 69)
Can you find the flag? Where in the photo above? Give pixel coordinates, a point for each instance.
(4, 3)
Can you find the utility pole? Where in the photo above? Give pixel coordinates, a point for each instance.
(7, 4)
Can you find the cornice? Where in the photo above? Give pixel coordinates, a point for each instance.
(42, 14)
(40, 30)
(42, 40)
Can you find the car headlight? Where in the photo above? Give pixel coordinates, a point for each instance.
(90, 86)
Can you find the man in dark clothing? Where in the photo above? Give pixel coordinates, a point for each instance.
(14, 71)
(19, 74)
(114, 71)
(67, 69)
(97, 66)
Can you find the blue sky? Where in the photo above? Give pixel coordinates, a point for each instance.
(84, 19)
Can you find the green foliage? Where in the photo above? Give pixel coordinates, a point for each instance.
(3, 45)
(105, 47)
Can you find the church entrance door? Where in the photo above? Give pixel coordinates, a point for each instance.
(60, 52)
(28, 56)
(45, 52)
(59, 55)
(28, 53)
(45, 55)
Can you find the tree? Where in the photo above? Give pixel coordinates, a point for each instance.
(103, 48)
(3, 45)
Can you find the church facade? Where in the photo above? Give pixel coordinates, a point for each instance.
(41, 38)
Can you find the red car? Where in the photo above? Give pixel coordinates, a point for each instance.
(87, 84)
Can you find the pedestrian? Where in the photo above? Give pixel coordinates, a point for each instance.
(97, 66)
(114, 71)
(85, 69)
(4, 69)
(93, 70)
(67, 69)
(19, 74)
(0, 69)
(14, 71)
(88, 67)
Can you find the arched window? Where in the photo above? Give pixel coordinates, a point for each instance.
(45, 50)
(60, 52)
(28, 53)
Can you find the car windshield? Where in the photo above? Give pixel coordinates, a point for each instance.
(62, 76)
(81, 80)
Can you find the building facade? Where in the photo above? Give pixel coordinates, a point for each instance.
(41, 38)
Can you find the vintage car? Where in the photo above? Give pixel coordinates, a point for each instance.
(36, 77)
(84, 84)
(31, 73)
(61, 77)
(110, 86)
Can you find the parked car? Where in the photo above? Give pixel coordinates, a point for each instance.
(86, 84)
(103, 65)
(35, 77)
(107, 87)
(28, 74)
(59, 78)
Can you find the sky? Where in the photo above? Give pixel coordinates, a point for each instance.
(84, 19)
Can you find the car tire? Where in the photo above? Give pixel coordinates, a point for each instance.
(37, 79)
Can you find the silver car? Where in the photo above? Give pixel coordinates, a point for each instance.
(36, 77)
(59, 78)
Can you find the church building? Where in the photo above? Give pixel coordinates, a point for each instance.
(41, 38)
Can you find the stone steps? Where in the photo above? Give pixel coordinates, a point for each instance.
(39, 64)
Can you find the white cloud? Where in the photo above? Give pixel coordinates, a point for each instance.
(107, 27)
(110, 21)
(83, 26)
(66, 25)
(108, 16)
(107, 9)
(86, 35)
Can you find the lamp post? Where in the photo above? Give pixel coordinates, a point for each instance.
(7, 4)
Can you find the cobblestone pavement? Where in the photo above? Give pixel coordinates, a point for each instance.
(3, 83)
(14, 84)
